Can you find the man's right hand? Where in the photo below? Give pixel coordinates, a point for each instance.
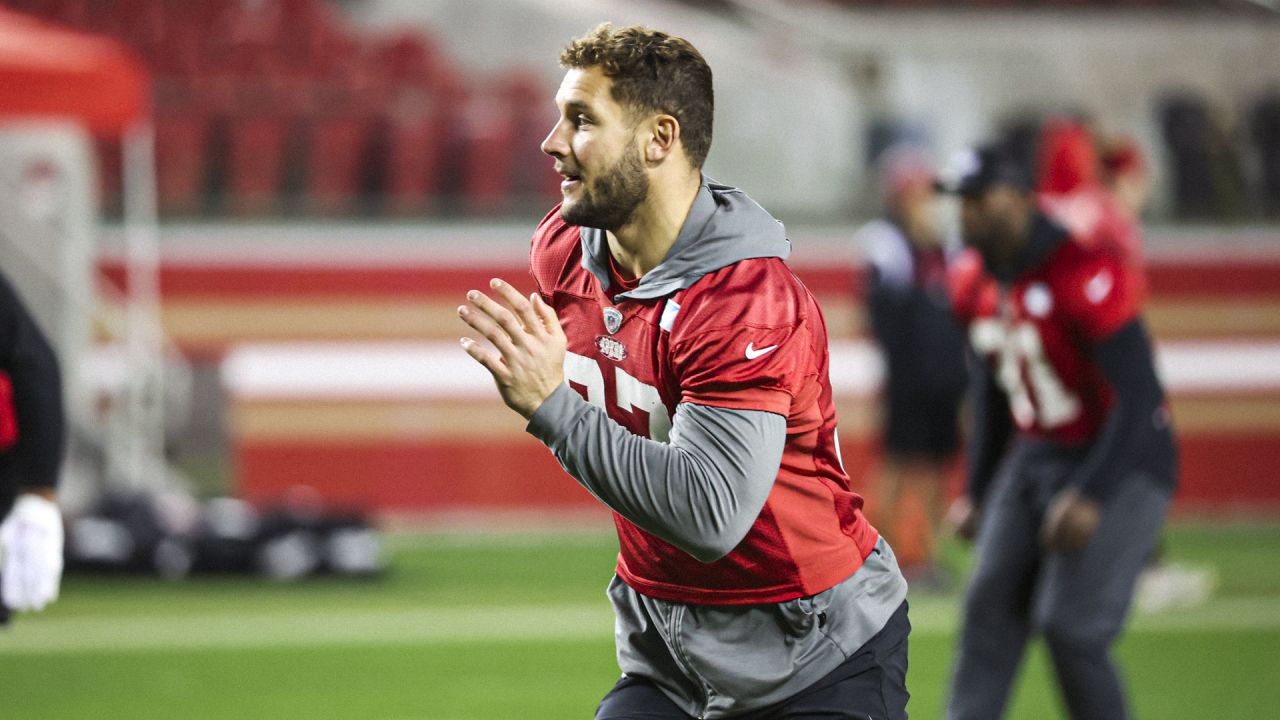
(530, 342)
(965, 517)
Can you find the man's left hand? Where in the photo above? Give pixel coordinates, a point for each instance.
(31, 542)
(529, 339)
(1070, 521)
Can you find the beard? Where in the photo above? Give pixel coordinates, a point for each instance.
(613, 198)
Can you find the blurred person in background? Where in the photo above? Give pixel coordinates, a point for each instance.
(1071, 459)
(677, 369)
(32, 433)
(923, 349)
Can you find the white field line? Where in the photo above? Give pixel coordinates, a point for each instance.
(578, 622)
(36, 635)
(941, 615)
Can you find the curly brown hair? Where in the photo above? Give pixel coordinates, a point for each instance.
(652, 72)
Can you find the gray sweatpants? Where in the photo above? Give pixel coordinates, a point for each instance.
(1078, 601)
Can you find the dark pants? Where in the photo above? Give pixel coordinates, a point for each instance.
(1077, 601)
(872, 684)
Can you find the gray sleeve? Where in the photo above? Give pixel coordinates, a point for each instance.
(701, 492)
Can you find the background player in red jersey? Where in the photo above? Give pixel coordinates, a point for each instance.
(1069, 487)
(678, 371)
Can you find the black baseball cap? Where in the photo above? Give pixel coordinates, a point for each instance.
(973, 172)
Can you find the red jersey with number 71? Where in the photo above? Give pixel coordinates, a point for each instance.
(748, 336)
(1037, 334)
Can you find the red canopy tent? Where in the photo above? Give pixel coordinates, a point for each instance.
(51, 73)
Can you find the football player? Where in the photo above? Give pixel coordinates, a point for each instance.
(678, 370)
(1071, 458)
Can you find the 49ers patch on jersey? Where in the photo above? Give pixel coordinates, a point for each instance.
(611, 348)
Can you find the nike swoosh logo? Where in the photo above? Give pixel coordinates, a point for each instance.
(753, 353)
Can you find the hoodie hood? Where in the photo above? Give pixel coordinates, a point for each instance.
(723, 227)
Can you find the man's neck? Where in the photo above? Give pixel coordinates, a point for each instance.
(640, 245)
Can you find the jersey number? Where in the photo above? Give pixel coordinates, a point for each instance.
(632, 394)
(1020, 355)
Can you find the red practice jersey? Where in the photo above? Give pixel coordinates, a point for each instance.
(1037, 334)
(748, 336)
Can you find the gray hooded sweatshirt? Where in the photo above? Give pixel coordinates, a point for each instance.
(702, 491)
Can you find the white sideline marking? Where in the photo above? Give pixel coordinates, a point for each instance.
(442, 370)
(36, 635)
(579, 622)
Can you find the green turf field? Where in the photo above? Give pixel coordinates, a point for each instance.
(500, 626)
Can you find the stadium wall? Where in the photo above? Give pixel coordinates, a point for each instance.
(341, 371)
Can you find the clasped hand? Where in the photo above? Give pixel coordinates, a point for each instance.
(531, 344)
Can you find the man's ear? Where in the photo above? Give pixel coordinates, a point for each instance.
(664, 137)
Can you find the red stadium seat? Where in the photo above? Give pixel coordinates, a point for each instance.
(181, 141)
(261, 133)
(110, 179)
(489, 143)
(256, 161)
(408, 58)
(425, 153)
(414, 106)
(413, 150)
(335, 156)
(534, 179)
(140, 23)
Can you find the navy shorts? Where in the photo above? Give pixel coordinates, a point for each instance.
(872, 684)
